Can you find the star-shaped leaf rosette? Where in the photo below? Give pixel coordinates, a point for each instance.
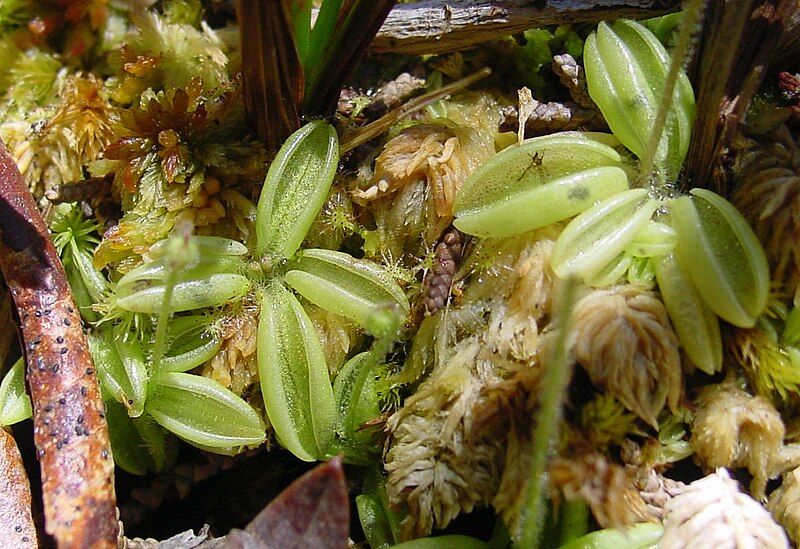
(627, 216)
(194, 275)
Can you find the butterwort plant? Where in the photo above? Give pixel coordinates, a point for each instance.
(186, 278)
(628, 216)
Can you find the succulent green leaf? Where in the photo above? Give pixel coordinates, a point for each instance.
(159, 270)
(598, 235)
(655, 239)
(198, 293)
(610, 273)
(343, 285)
(296, 186)
(538, 182)
(139, 445)
(295, 384)
(355, 392)
(718, 250)
(121, 368)
(207, 246)
(626, 70)
(15, 404)
(193, 343)
(202, 411)
(640, 536)
(443, 542)
(695, 324)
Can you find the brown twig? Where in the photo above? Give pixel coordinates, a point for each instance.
(16, 528)
(433, 26)
(70, 429)
(726, 79)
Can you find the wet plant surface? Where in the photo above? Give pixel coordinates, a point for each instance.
(537, 291)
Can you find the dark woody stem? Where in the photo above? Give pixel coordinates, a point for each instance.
(70, 430)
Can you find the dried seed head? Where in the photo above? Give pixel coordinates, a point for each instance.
(735, 429)
(655, 490)
(624, 340)
(573, 78)
(438, 281)
(768, 176)
(440, 155)
(784, 504)
(712, 512)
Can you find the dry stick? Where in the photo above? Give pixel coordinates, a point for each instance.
(16, 528)
(726, 79)
(378, 127)
(70, 429)
(433, 26)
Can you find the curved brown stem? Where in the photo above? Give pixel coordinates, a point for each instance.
(70, 429)
(16, 528)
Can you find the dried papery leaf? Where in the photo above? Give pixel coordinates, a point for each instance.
(695, 324)
(203, 412)
(443, 156)
(295, 189)
(341, 284)
(16, 528)
(593, 239)
(623, 339)
(295, 385)
(767, 177)
(629, 98)
(538, 182)
(784, 504)
(313, 511)
(15, 404)
(732, 428)
(235, 366)
(79, 501)
(721, 254)
(712, 512)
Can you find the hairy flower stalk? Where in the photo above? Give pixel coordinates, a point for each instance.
(623, 339)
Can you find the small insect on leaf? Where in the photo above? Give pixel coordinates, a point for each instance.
(695, 324)
(295, 385)
(15, 404)
(295, 189)
(200, 410)
(121, 369)
(718, 250)
(343, 285)
(597, 236)
(626, 70)
(538, 182)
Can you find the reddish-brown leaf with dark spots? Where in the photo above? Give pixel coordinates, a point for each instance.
(312, 512)
(70, 429)
(16, 528)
